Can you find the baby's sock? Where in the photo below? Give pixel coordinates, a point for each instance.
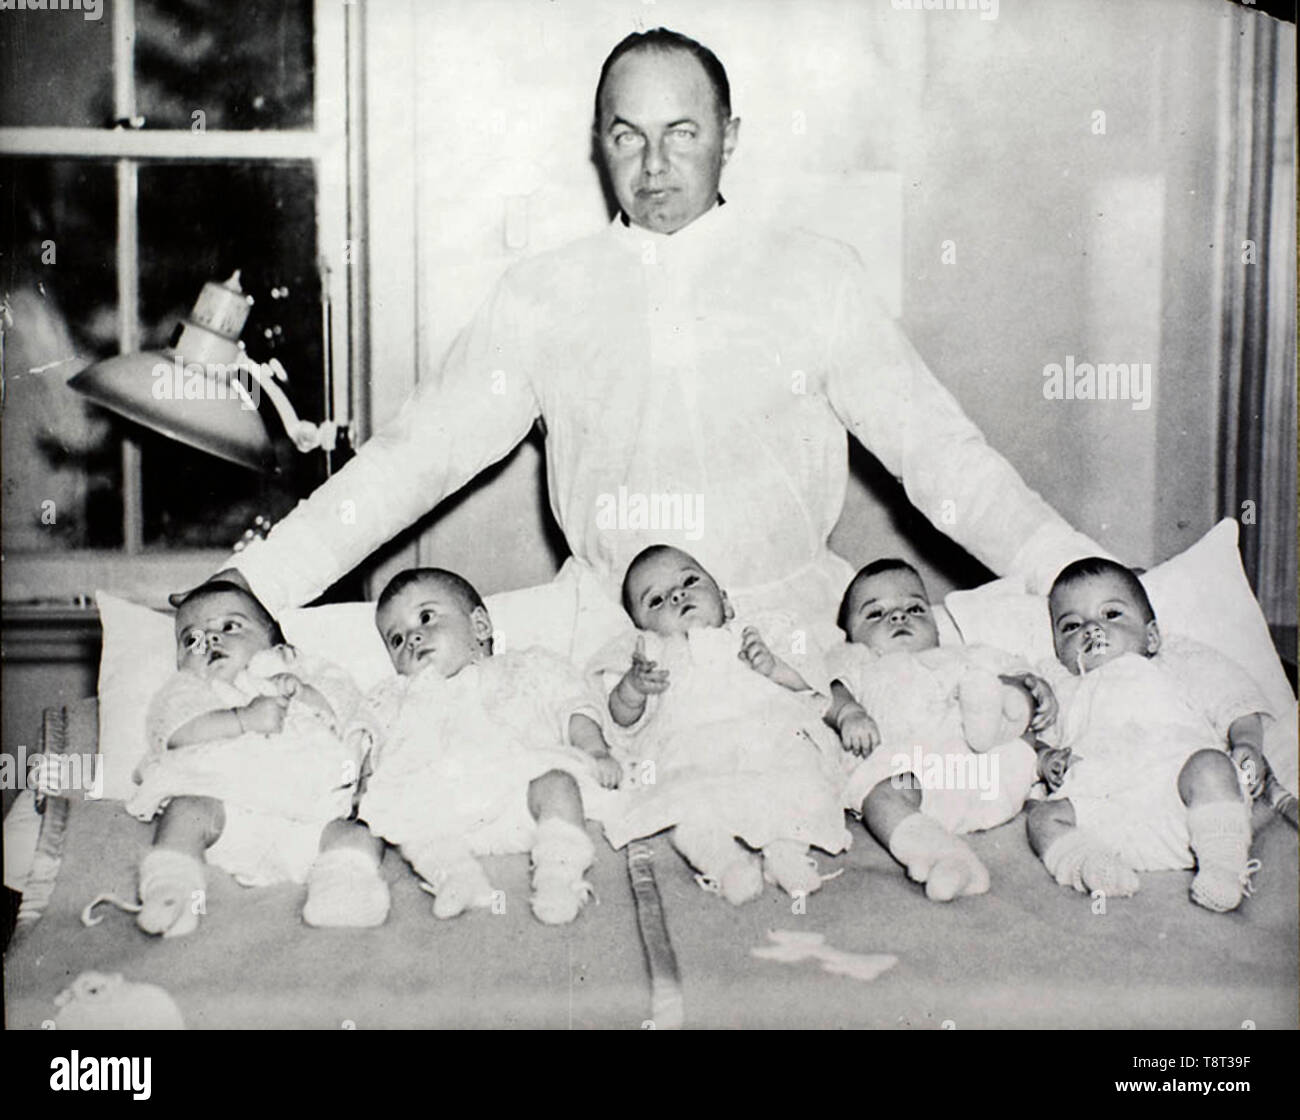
(1219, 835)
(788, 864)
(724, 866)
(345, 889)
(561, 855)
(1085, 862)
(454, 878)
(937, 858)
(169, 883)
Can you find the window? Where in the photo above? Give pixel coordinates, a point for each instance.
(163, 145)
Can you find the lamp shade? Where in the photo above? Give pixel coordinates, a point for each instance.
(212, 409)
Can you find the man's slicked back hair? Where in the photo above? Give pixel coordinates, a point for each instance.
(661, 40)
(1091, 566)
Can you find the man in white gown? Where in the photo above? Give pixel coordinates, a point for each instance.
(697, 374)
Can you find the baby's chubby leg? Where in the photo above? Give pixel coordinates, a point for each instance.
(1074, 856)
(1218, 826)
(172, 878)
(344, 886)
(562, 851)
(931, 854)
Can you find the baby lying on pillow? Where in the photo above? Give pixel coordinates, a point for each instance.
(728, 749)
(247, 768)
(1167, 732)
(938, 730)
(475, 754)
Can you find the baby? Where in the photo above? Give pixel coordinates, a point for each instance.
(920, 717)
(475, 754)
(730, 751)
(247, 769)
(1152, 786)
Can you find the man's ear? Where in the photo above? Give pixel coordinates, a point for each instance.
(1153, 638)
(481, 623)
(728, 611)
(730, 137)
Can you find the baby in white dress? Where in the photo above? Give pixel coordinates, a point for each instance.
(247, 769)
(933, 735)
(729, 738)
(1167, 733)
(474, 754)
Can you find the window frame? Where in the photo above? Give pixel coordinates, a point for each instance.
(331, 146)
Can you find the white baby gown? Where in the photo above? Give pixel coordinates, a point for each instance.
(913, 699)
(724, 745)
(1132, 724)
(453, 756)
(278, 790)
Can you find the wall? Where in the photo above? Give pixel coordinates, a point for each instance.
(1064, 239)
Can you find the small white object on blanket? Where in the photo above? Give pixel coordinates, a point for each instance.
(792, 946)
(97, 1001)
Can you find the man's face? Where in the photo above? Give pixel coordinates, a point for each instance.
(427, 626)
(1095, 620)
(670, 594)
(217, 635)
(661, 137)
(889, 612)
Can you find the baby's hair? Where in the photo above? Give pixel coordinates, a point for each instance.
(459, 587)
(223, 586)
(875, 568)
(1092, 566)
(648, 553)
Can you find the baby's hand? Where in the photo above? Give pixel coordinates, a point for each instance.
(1052, 766)
(265, 714)
(1046, 707)
(608, 772)
(1254, 770)
(858, 731)
(754, 651)
(286, 684)
(643, 677)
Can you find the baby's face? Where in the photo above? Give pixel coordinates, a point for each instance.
(670, 594)
(889, 612)
(1095, 620)
(218, 634)
(426, 626)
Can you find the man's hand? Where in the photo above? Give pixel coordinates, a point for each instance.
(1046, 707)
(265, 714)
(858, 731)
(754, 652)
(643, 677)
(1254, 770)
(1053, 763)
(608, 772)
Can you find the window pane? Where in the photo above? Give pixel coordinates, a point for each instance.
(61, 463)
(56, 68)
(201, 222)
(241, 63)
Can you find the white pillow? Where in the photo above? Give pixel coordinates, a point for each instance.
(1201, 593)
(139, 654)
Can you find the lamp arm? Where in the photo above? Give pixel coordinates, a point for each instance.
(306, 436)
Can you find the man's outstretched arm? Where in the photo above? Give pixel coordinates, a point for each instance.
(882, 391)
(458, 422)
